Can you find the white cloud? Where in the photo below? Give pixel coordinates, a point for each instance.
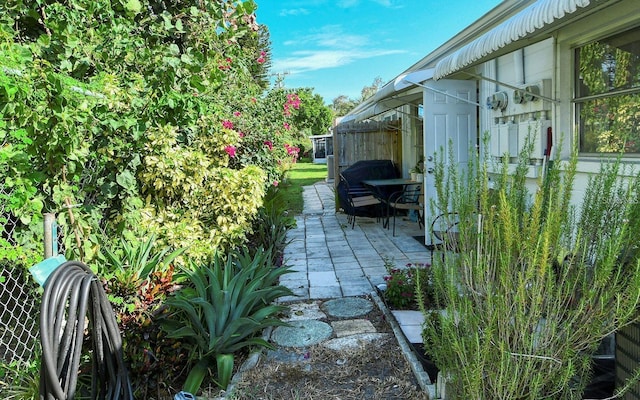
(329, 47)
(311, 60)
(294, 12)
(331, 36)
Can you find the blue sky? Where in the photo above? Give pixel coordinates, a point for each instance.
(338, 47)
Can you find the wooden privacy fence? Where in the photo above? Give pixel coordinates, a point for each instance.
(371, 140)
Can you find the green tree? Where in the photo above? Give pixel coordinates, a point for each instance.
(369, 91)
(342, 104)
(314, 117)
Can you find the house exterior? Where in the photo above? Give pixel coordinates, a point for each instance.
(526, 66)
(566, 70)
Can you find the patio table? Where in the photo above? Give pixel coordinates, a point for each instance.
(383, 188)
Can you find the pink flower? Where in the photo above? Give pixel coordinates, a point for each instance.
(275, 183)
(236, 113)
(231, 151)
(227, 124)
(241, 134)
(286, 126)
(226, 65)
(253, 100)
(291, 150)
(269, 144)
(293, 100)
(260, 60)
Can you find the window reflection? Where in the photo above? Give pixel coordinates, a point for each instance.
(608, 94)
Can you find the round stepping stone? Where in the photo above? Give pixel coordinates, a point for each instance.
(302, 333)
(348, 307)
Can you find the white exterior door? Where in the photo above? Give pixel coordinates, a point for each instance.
(449, 120)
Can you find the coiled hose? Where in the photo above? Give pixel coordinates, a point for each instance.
(72, 296)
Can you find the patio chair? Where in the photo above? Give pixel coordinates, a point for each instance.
(444, 228)
(444, 233)
(359, 199)
(410, 198)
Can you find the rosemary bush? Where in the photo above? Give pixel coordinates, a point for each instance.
(538, 281)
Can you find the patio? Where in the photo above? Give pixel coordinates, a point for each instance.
(332, 260)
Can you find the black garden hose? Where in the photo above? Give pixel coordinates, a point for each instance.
(72, 296)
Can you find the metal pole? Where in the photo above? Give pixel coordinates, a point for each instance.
(49, 237)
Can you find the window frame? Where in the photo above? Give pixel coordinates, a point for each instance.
(577, 102)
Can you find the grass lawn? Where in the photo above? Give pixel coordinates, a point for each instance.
(303, 173)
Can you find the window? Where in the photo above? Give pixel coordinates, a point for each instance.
(608, 94)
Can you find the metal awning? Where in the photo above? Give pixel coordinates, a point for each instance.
(409, 79)
(391, 96)
(528, 23)
(387, 104)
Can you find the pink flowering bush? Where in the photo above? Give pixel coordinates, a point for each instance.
(267, 132)
(401, 285)
(231, 151)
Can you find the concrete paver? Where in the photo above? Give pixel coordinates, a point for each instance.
(352, 327)
(335, 266)
(331, 260)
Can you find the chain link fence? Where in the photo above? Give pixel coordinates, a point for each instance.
(21, 246)
(19, 299)
(19, 315)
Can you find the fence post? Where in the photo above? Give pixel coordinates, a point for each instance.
(50, 238)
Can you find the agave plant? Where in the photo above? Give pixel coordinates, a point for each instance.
(131, 264)
(223, 309)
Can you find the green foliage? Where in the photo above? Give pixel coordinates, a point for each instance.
(533, 289)
(342, 104)
(313, 117)
(128, 268)
(134, 114)
(20, 380)
(610, 123)
(271, 225)
(145, 118)
(226, 304)
(403, 291)
(138, 275)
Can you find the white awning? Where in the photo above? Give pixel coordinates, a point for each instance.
(387, 104)
(391, 96)
(525, 24)
(409, 79)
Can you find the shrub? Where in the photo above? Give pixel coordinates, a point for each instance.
(533, 289)
(20, 380)
(225, 305)
(138, 275)
(402, 291)
(271, 225)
